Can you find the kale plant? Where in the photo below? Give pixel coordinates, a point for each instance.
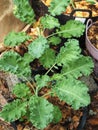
(63, 67)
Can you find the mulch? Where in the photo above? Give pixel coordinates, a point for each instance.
(82, 119)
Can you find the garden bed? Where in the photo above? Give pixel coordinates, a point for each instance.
(70, 118)
(50, 94)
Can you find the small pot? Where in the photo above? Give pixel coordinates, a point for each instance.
(64, 17)
(90, 47)
(93, 51)
(41, 8)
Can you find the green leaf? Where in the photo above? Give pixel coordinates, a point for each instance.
(48, 58)
(37, 47)
(21, 90)
(42, 80)
(27, 58)
(57, 76)
(57, 114)
(23, 11)
(72, 28)
(13, 110)
(82, 66)
(69, 53)
(41, 112)
(57, 7)
(49, 22)
(14, 63)
(8, 62)
(72, 92)
(54, 40)
(91, 1)
(15, 38)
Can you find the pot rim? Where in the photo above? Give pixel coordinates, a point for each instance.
(81, 10)
(87, 28)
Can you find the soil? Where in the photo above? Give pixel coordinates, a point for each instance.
(92, 119)
(82, 119)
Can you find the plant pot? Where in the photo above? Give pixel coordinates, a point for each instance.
(77, 9)
(82, 9)
(90, 47)
(93, 51)
(65, 17)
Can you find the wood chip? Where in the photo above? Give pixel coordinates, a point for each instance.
(93, 121)
(3, 101)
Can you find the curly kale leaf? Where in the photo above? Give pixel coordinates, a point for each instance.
(48, 58)
(37, 47)
(41, 81)
(68, 53)
(23, 11)
(27, 58)
(57, 7)
(72, 28)
(82, 66)
(21, 90)
(91, 1)
(57, 115)
(8, 62)
(54, 40)
(49, 22)
(41, 112)
(14, 63)
(14, 110)
(15, 38)
(73, 92)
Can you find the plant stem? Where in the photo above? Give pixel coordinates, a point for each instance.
(64, 31)
(50, 69)
(72, 3)
(36, 92)
(47, 94)
(51, 35)
(31, 85)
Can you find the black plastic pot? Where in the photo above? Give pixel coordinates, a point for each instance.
(84, 10)
(64, 17)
